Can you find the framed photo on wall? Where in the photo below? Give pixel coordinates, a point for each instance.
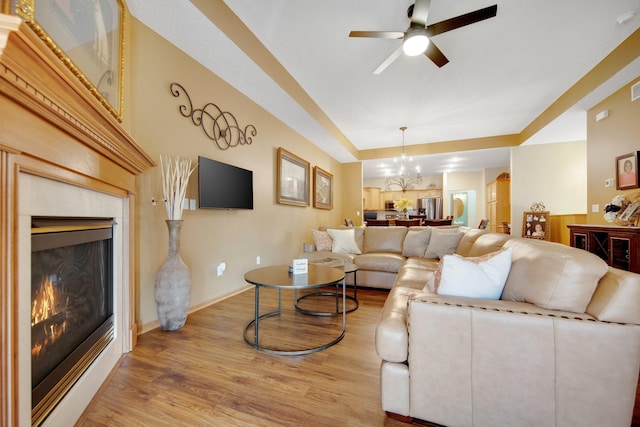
(322, 189)
(627, 171)
(87, 36)
(535, 225)
(293, 179)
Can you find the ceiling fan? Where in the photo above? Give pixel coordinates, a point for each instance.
(416, 39)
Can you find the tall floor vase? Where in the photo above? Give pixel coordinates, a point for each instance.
(173, 284)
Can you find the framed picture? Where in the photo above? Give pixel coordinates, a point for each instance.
(322, 189)
(293, 179)
(88, 37)
(627, 171)
(535, 225)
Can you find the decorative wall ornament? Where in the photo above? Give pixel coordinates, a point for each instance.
(219, 126)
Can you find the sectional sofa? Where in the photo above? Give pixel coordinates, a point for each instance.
(557, 343)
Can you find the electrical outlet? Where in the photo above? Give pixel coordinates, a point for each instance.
(221, 268)
(257, 260)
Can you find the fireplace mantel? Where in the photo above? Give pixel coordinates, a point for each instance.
(51, 127)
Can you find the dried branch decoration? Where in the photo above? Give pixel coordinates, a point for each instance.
(175, 177)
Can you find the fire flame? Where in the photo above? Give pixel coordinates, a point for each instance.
(46, 305)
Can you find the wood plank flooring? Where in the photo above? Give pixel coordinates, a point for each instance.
(206, 375)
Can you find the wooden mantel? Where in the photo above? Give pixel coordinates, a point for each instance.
(32, 76)
(51, 126)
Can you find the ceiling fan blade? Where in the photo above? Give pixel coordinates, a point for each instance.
(420, 12)
(396, 53)
(378, 34)
(462, 20)
(434, 54)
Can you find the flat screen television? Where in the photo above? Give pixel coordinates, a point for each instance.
(223, 186)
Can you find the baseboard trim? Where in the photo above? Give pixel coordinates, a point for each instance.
(149, 326)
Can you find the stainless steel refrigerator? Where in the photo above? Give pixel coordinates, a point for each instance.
(431, 207)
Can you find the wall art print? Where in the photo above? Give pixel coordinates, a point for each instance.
(322, 189)
(87, 36)
(292, 180)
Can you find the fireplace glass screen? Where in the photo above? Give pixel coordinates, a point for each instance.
(71, 300)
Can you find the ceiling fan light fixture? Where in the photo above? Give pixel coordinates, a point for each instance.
(415, 42)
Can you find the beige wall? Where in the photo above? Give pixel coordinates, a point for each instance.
(555, 174)
(351, 202)
(614, 136)
(272, 231)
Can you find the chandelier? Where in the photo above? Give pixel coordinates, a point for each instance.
(402, 177)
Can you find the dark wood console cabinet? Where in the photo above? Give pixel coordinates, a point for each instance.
(617, 246)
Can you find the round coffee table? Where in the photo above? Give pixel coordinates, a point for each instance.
(280, 278)
(348, 268)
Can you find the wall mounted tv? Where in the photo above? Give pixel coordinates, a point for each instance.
(223, 186)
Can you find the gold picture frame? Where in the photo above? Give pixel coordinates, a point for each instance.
(322, 188)
(292, 180)
(535, 225)
(88, 37)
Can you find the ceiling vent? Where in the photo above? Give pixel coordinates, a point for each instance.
(635, 91)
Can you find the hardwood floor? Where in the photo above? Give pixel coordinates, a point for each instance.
(205, 374)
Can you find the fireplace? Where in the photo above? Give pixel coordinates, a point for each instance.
(72, 294)
(62, 155)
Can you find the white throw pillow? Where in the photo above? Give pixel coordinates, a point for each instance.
(344, 241)
(478, 277)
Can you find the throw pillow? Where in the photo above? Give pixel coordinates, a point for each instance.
(322, 240)
(478, 277)
(442, 243)
(415, 243)
(344, 241)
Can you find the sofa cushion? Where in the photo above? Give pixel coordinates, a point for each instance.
(415, 242)
(617, 298)
(442, 243)
(468, 239)
(413, 277)
(326, 257)
(358, 231)
(552, 275)
(487, 243)
(476, 277)
(322, 240)
(380, 262)
(344, 241)
(384, 239)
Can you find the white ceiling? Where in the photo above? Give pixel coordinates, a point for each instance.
(503, 72)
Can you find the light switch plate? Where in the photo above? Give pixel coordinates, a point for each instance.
(595, 208)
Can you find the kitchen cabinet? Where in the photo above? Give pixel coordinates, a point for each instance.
(372, 200)
(498, 196)
(412, 195)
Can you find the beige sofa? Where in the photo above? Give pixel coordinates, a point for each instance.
(561, 347)
(383, 251)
